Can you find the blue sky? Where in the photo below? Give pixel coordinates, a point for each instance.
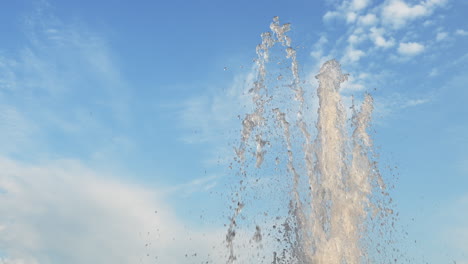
(110, 111)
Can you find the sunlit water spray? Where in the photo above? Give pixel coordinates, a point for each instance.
(327, 202)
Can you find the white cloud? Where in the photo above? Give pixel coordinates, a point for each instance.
(397, 13)
(380, 24)
(353, 84)
(382, 42)
(461, 32)
(441, 36)
(215, 113)
(359, 4)
(353, 55)
(351, 17)
(410, 48)
(368, 20)
(376, 34)
(63, 212)
(347, 10)
(318, 47)
(355, 39)
(428, 23)
(330, 15)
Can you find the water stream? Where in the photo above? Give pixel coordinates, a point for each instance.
(327, 202)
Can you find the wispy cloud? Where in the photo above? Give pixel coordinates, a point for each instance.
(203, 184)
(387, 106)
(64, 79)
(206, 118)
(214, 118)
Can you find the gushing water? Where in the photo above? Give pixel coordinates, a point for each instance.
(330, 181)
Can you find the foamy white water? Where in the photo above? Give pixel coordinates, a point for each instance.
(329, 176)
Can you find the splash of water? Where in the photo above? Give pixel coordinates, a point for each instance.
(330, 178)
